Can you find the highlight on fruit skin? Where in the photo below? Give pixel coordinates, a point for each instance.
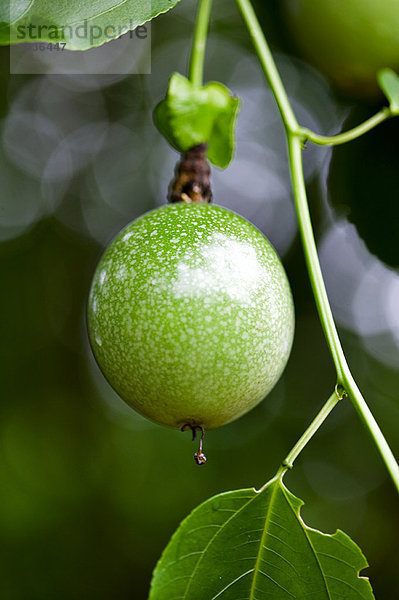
(190, 315)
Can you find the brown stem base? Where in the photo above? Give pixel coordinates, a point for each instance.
(192, 177)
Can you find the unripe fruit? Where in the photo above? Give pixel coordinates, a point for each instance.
(190, 315)
(348, 40)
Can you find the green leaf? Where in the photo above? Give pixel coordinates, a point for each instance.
(81, 25)
(191, 115)
(247, 545)
(389, 83)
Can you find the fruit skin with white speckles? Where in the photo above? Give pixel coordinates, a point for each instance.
(190, 315)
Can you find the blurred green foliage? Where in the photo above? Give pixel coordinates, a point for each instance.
(90, 491)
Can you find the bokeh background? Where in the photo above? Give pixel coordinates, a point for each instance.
(90, 492)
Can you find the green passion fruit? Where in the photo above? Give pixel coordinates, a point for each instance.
(348, 41)
(190, 315)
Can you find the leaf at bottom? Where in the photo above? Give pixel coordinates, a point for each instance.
(249, 545)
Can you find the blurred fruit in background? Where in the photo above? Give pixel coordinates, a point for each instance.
(348, 41)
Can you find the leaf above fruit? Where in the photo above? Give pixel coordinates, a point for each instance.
(192, 115)
(82, 25)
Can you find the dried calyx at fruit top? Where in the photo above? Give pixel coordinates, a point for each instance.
(199, 122)
(192, 177)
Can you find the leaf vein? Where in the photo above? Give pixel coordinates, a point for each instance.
(220, 528)
(231, 584)
(276, 583)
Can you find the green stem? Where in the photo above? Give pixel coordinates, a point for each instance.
(268, 64)
(347, 136)
(323, 306)
(371, 424)
(333, 400)
(311, 256)
(196, 68)
(295, 138)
